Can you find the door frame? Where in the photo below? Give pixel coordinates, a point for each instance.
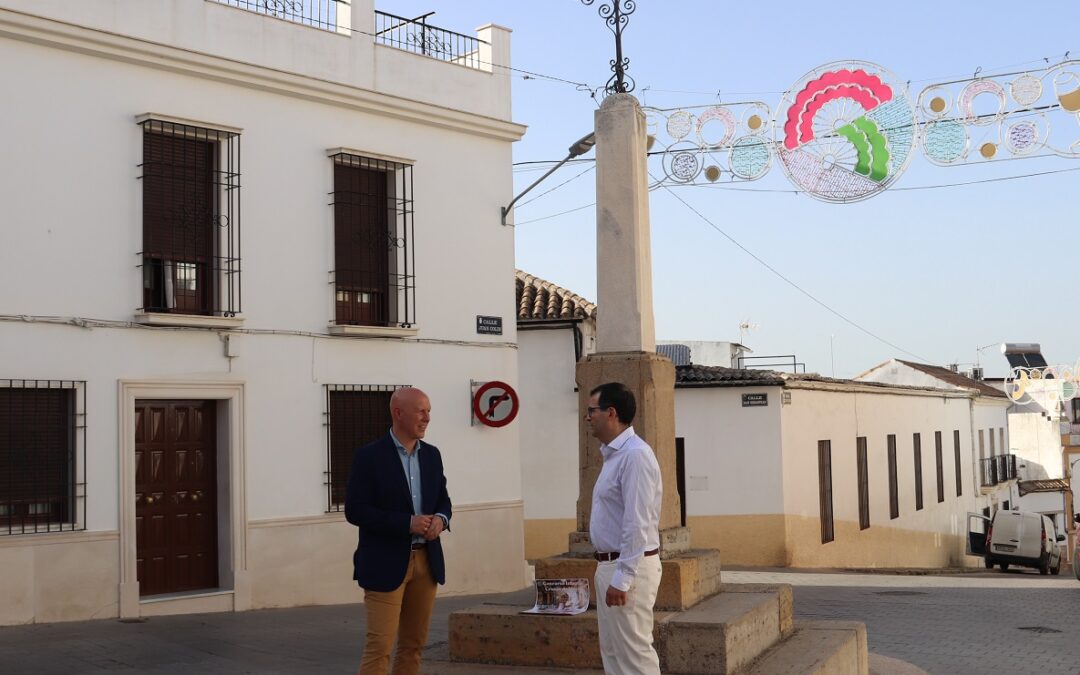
(232, 515)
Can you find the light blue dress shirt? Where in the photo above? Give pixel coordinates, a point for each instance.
(410, 463)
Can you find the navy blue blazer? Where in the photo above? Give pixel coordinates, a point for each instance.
(378, 501)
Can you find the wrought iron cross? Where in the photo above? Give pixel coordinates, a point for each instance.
(616, 15)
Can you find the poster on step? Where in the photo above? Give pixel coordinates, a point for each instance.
(560, 597)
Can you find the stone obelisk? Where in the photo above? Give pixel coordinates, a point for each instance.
(626, 353)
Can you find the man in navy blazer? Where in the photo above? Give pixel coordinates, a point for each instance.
(397, 497)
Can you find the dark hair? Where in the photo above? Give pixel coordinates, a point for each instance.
(617, 395)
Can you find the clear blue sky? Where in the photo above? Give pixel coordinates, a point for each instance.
(936, 272)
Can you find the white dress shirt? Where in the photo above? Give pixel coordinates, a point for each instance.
(626, 504)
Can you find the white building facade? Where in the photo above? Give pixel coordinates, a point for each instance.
(196, 337)
(761, 453)
(805, 471)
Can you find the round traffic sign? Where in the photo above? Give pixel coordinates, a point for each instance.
(495, 404)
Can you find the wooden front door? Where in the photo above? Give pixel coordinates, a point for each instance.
(175, 496)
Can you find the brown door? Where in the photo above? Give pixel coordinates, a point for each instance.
(175, 496)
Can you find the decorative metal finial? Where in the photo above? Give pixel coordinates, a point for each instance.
(616, 15)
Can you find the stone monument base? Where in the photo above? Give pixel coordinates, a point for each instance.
(688, 577)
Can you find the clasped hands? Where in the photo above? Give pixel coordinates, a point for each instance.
(429, 527)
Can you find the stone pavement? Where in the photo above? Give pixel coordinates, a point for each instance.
(1011, 623)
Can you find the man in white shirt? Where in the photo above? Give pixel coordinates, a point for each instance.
(625, 531)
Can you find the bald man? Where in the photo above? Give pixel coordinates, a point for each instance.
(397, 497)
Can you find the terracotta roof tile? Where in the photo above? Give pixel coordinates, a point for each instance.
(692, 375)
(955, 379)
(541, 300)
(1043, 485)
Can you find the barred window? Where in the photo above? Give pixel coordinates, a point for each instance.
(956, 461)
(916, 442)
(42, 456)
(191, 228)
(825, 494)
(863, 469)
(373, 232)
(894, 492)
(356, 414)
(940, 467)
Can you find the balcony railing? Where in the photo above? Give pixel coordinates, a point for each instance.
(324, 14)
(416, 36)
(997, 469)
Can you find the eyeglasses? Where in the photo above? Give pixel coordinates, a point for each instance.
(594, 408)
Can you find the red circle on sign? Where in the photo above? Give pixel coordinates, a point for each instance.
(484, 415)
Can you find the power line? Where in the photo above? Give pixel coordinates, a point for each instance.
(556, 215)
(791, 283)
(568, 180)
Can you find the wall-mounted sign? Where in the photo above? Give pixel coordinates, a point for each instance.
(754, 400)
(489, 325)
(495, 404)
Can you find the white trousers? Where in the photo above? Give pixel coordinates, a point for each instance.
(626, 632)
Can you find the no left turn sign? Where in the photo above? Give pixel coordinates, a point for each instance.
(495, 404)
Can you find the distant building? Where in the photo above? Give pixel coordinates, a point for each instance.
(774, 468)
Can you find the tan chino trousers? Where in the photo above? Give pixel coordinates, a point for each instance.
(403, 613)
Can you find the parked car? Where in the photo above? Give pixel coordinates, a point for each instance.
(1017, 538)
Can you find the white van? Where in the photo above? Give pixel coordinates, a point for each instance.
(1016, 538)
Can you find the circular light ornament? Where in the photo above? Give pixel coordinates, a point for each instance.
(845, 131)
(1026, 89)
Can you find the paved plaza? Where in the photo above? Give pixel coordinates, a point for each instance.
(1011, 623)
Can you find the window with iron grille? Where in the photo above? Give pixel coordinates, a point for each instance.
(191, 219)
(916, 444)
(373, 232)
(42, 456)
(825, 501)
(894, 492)
(864, 482)
(356, 414)
(956, 460)
(940, 467)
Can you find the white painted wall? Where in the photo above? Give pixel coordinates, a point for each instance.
(843, 416)
(350, 59)
(1035, 431)
(710, 353)
(548, 423)
(733, 459)
(72, 210)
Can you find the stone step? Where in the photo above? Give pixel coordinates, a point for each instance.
(722, 634)
(818, 648)
(719, 635)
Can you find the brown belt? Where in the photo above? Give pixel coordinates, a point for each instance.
(614, 555)
(419, 545)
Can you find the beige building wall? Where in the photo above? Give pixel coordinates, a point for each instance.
(933, 536)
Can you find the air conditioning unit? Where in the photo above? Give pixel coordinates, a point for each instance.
(976, 373)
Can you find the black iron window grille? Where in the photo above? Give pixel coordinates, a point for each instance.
(42, 456)
(322, 14)
(190, 254)
(894, 491)
(356, 414)
(988, 469)
(916, 443)
(374, 258)
(863, 467)
(825, 490)
(956, 461)
(940, 467)
(416, 36)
